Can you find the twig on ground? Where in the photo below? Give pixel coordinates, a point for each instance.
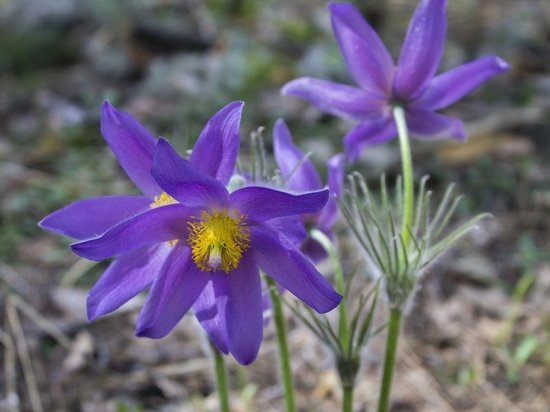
(10, 372)
(24, 355)
(13, 279)
(42, 322)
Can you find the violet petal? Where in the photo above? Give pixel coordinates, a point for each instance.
(210, 308)
(368, 133)
(422, 49)
(313, 250)
(298, 171)
(128, 275)
(174, 291)
(184, 181)
(291, 269)
(368, 60)
(263, 203)
(291, 226)
(452, 85)
(132, 145)
(336, 98)
(329, 214)
(425, 123)
(215, 152)
(244, 311)
(157, 225)
(91, 217)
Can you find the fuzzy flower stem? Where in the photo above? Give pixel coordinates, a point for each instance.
(284, 357)
(389, 360)
(347, 402)
(343, 327)
(221, 379)
(406, 159)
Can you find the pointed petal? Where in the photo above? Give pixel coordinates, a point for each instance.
(263, 203)
(329, 214)
(291, 269)
(291, 226)
(91, 217)
(335, 168)
(451, 86)
(368, 133)
(154, 226)
(336, 98)
(132, 145)
(210, 308)
(423, 123)
(297, 170)
(422, 49)
(215, 152)
(184, 181)
(368, 60)
(174, 291)
(128, 275)
(244, 311)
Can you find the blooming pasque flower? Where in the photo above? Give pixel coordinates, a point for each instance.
(219, 241)
(411, 83)
(130, 273)
(299, 174)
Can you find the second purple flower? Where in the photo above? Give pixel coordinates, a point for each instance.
(411, 83)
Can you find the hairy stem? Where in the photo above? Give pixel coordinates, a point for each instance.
(284, 357)
(389, 360)
(347, 402)
(221, 378)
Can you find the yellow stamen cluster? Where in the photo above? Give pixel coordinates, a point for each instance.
(162, 200)
(218, 240)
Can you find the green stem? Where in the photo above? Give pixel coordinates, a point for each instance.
(406, 159)
(347, 370)
(284, 357)
(389, 361)
(221, 379)
(347, 402)
(343, 326)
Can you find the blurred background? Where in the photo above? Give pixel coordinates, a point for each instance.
(478, 336)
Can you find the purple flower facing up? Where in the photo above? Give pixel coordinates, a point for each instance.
(214, 244)
(299, 175)
(411, 83)
(132, 272)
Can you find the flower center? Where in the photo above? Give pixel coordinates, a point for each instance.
(162, 200)
(218, 240)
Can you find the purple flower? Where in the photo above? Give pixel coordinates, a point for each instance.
(188, 239)
(300, 175)
(411, 83)
(218, 242)
(132, 272)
